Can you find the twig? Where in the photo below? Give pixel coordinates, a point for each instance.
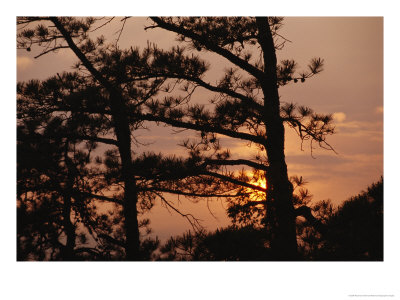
(120, 31)
(194, 222)
(102, 24)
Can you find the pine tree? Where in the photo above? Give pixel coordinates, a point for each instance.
(248, 107)
(121, 90)
(104, 95)
(52, 174)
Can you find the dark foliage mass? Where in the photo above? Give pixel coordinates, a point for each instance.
(355, 230)
(351, 232)
(83, 187)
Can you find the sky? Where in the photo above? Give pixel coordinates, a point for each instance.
(350, 88)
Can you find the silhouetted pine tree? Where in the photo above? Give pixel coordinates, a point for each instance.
(122, 87)
(102, 102)
(246, 107)
(52, 175)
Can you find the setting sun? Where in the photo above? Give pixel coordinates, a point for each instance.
(261, 182)
(256, 195)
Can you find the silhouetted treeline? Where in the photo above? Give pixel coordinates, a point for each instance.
(355, 231)
(351, 232)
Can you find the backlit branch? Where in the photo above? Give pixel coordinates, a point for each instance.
(235, 181)
(98, 197)
(236, 162)
(194, 222)
(210, 87)
(209, 45)
(179, 192)
(203, 128)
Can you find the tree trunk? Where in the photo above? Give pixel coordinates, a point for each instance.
(123, 133)
(279, 188)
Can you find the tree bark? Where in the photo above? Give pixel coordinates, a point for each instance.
(279, 188)
(123, 133)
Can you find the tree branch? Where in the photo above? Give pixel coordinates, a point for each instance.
(302, 128)
(235, 181)
(51, 50)
(177, 192)
(204, 128)
(85, 61)
(93, 138)
(211, 87)
(211, 46)
(99, 197)
(194, 222)
(235, 162)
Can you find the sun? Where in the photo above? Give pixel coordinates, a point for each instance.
(255, 195)
(261, 182)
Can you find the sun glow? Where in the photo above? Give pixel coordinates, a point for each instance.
(261, 182)
(256, 195)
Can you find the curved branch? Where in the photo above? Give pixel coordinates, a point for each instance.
(194, 222)
(177, 192)
(252, 70)
(210, 87)
(235, 181)
(235, 162)
(302, 128)
(204, 128)
(51, 50)
(99, 197)
(93, 138)
(85, 61)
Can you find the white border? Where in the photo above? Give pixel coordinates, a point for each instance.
(199, 280)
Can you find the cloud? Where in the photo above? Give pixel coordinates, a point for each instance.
(360, 127)
(24, 62)
(339, 117)
(337, 177)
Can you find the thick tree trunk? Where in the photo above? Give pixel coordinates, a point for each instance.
(132, 248)
(279, 188)
(123, 133)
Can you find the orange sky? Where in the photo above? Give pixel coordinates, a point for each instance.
(351, 87)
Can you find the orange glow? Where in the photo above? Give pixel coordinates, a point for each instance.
(255, 195)
(261, 182)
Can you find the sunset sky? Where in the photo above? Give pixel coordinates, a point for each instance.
(350, 87)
